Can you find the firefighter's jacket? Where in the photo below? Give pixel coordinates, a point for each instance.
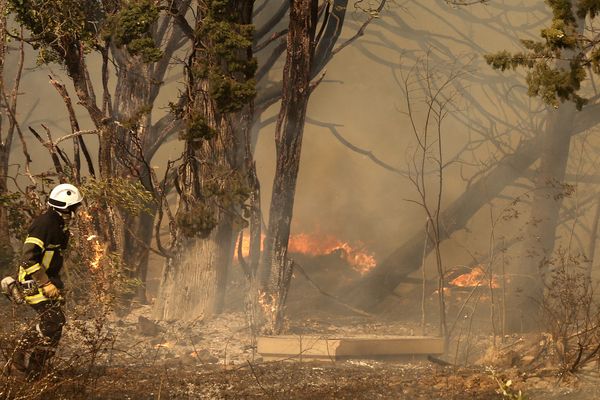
(43, 249)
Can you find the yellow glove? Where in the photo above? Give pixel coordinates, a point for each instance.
(50, 291)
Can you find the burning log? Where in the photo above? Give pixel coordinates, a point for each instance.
(475, 277)
(320, 244)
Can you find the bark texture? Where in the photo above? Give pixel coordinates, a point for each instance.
(526, 290)
(276, 268)
(212, 180)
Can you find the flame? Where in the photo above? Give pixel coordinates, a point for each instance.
(97, 251)
(316, 244)
(477, 277)
(268, 305)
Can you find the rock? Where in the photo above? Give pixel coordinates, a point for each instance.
(196, 338)
(147, 327)
(526, 360)
(205, 357)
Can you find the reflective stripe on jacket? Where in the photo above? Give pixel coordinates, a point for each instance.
(42, 258)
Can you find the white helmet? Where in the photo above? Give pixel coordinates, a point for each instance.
(64, 196)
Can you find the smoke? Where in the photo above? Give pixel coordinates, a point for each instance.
(341, 192)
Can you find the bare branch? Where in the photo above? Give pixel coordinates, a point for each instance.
(270, 40)
(361, 31)
(74, 135)
(334, 131)
(50, 147)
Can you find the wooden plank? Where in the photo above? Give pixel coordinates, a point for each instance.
(332, 348)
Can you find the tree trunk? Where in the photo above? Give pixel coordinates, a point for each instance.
(276, 268)
(526, 289)
(132, 107)
(6, 250)
(212, 181)
(193, 280)
(527, 281)
(383, 279)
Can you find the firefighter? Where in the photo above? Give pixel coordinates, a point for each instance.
(39, 278)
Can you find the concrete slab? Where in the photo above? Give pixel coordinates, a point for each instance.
(308, 348)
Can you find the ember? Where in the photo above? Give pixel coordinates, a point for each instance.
(477, 277)
(97, 250)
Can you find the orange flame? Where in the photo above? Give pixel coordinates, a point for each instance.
(98, 251)
(319, 244)
(477, 277)
(314, 244)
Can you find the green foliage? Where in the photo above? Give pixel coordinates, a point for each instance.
(561, 10)
(554, 84)
(60, 25)
(556, 66)
(198, 220)
(197, 130)
(223, 58)
(229, 94)
(64, 25)
(130, 27)
(119, 193)
(505, 387)
(21, 210)
(220, 82)
(225, 190)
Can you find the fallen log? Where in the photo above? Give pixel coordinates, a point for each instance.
(383, 279)
(387, 275)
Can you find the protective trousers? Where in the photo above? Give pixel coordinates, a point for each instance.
(39, 343)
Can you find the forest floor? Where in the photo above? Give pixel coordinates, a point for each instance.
(136, 358)
(130, 356)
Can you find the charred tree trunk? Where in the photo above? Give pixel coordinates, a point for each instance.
(138, 85)
(276, 268)
(6, 250)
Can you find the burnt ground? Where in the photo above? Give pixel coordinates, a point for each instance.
(285, 380)
(132, 357)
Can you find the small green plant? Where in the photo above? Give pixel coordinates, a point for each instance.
(505, 388)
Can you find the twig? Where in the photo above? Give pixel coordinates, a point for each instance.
(334, 131)
(62, 91)
(75, 134)
(258, 380)
(313, 84)
(48, 145)
(374, 14)
(270, 40)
